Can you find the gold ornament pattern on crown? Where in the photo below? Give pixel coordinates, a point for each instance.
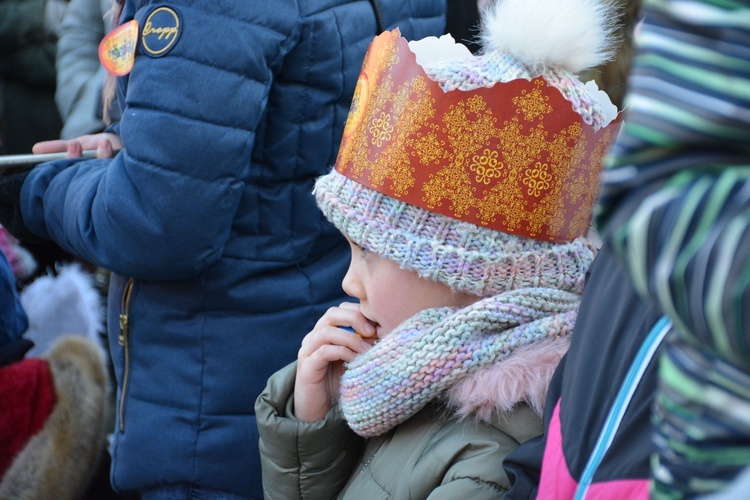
(514, 157)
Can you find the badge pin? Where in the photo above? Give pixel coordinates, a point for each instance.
(117, 49)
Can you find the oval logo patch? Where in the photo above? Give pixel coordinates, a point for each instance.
(160, 31)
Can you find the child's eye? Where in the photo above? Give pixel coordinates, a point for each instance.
(363, 250)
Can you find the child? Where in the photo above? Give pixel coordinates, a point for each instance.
(464, 188)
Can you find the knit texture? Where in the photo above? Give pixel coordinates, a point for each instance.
(488, 69)
(497, 389)
(552, 39)
(466, 257)
(432, 351)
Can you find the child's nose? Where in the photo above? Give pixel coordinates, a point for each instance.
(351, 284)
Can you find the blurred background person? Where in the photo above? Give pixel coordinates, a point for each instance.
(676, 200)
(28, 114)
(28, 44)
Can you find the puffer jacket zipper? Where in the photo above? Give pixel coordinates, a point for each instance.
(124, 341)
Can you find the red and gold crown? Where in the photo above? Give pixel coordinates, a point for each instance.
(514, 156)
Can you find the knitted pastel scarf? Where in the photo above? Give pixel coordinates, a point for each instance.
(434, 349)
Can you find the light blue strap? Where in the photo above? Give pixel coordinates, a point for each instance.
(635, 373)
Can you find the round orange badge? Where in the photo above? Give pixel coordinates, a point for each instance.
(117, 49)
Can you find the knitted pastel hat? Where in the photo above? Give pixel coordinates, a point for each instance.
(480, 172)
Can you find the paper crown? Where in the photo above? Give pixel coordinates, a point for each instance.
(514, 157)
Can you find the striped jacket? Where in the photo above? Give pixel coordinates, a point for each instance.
(675, 212)
(676, 199)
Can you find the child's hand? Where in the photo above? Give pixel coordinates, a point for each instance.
(105, 145)
(320, 361)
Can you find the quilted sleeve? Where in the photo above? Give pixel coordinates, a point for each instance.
(163, 207)
(294, 463)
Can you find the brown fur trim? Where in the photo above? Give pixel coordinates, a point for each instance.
(59, 461)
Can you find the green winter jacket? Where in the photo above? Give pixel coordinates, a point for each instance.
(432, 455)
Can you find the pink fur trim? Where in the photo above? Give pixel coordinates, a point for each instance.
(524, 377)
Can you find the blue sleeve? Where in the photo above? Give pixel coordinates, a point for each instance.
(163, 207)
(13, 320)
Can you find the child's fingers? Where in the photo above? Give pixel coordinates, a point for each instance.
(338, 316)
(46, 147)
(331, 335)
(104, 149)
(357, 323)
(321, 357)
(316, 384)
(319, 360)
(317, 380)
(369, 338)
(74, 149)
(347, 314)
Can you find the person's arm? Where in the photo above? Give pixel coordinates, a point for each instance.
(681, 161)
(80, 75)
(163, 207)
(302, 459)
(302, 430)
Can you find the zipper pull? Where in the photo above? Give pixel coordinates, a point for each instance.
(124, 319)
(123, 329)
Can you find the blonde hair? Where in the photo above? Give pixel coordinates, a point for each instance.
(108, 91)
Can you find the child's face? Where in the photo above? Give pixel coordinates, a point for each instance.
(389, 295)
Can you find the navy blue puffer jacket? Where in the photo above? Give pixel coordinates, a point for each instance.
(221, 260)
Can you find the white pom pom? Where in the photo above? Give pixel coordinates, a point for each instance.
(60, 305)
(570, 34)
